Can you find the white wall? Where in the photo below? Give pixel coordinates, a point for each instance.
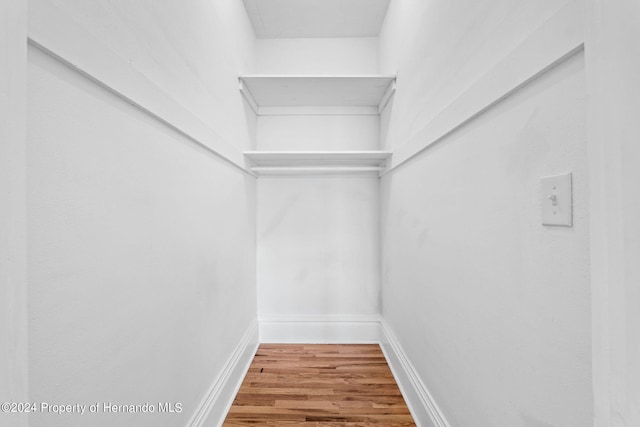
(171, 44)
(141, 242)
(13, 255)
(313, 131)
(613, 67)
(318, 246)
(321, 132)
(439, 49)
(490, 307)
(317, 56)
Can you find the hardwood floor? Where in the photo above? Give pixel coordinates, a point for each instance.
(319, 385)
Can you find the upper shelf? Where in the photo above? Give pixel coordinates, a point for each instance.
(276, 90)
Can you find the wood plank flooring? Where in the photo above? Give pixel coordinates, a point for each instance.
(319, 385)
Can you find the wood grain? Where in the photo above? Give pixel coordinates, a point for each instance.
(319, 385)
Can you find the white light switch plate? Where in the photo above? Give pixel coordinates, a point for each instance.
(557, 200)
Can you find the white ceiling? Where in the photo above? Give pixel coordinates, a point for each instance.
(316, 18)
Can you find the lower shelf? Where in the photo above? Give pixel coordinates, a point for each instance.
(316, 162)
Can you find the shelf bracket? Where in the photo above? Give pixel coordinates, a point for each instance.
(387, 96)
(246, 93)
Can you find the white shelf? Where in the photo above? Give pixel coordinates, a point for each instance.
(316, 162)
(367, 92)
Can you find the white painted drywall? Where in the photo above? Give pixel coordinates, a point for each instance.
(613, 67)
(491, 307)
(318, 247)
(317, 56)
(193, 51)
(439, 49)
(321, 132)
(318, 237)
(141, 242)
(13, 248)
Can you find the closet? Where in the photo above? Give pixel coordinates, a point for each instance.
(318, 158)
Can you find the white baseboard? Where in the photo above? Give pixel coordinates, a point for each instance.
(215, 405)
(320, 329)
(423, 407)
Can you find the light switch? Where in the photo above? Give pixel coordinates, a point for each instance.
(557, 200)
